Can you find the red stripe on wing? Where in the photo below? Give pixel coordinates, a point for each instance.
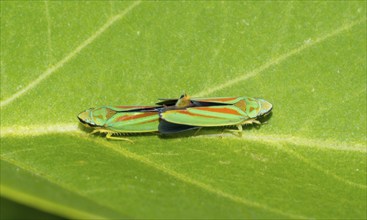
(195, 114)
(145, 122)
(220, 110)
(131, 117)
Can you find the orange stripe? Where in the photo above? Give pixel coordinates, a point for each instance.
(194, 114)
(219, 110)
(145, 122)
(131, 117)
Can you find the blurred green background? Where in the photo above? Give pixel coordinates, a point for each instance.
(307, 58)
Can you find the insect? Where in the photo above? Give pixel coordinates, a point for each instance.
(121, 119)
(213, 112)
(117, 120)
(175, 115)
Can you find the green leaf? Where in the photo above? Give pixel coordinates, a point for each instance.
(307, 59)
(11, 210)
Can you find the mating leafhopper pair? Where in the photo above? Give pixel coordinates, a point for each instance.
(175, 115)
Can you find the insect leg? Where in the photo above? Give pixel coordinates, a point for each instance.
(236, 132)
(239, 130)
(251, 121)
(110, 137)
(197, 131)
(94, 132)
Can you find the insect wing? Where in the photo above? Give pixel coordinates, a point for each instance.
(129, 108)
(206, 116)
(133, 122)
(218, 100)
(251, 106)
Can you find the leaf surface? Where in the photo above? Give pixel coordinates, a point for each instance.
(307, 59)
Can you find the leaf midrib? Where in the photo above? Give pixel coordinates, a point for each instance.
(179, 176)
(188, 180)
(37, 130)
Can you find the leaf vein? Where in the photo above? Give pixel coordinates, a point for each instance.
(67, 58)
(322, 169)
(37, 130)
(277, 60)
(186, 179)
(277, 141)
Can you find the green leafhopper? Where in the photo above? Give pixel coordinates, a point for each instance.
(175, 115)
(117, 120)
(213, 112)
(121, 119)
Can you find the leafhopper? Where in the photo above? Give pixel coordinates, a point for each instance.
(213, 112)
(175, 115)
(121, 120)
(118, 120)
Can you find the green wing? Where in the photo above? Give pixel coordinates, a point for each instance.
(126, 108)
(218, 100)
(209, 116)
(133, 122)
